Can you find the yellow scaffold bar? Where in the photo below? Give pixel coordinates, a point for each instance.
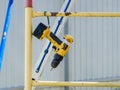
(78, 84)
(77, 14)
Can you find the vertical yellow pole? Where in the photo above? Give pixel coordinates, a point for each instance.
(28, 45)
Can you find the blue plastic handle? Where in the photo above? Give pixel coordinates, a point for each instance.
(5, 31)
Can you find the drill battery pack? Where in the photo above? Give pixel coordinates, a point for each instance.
(39, 30)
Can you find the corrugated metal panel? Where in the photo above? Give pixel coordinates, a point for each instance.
(95, 55)
(12, 74)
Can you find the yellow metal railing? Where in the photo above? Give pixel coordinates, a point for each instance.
(76, 84)
(77, 14)
(29, 14)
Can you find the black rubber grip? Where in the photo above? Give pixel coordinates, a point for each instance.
(55, 38)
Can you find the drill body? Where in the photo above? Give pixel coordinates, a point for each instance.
(61, 48)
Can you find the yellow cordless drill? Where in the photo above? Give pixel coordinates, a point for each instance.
(61, 48)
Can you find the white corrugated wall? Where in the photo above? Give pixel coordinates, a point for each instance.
(94, 56)
(12, 74)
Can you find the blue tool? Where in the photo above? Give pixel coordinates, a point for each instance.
(5, 31)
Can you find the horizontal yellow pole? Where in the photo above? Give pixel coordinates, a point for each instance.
(76, 84)
(77, 14)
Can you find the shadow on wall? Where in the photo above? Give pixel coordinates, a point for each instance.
(14, 88)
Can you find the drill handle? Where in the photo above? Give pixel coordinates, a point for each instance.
(54, 39)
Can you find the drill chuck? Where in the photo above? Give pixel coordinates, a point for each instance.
(57, 59)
